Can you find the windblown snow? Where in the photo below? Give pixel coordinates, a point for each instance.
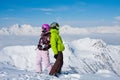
(84, 59)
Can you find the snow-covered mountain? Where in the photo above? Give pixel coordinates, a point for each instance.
(81, 57)
(93, 55)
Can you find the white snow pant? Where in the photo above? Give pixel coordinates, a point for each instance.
(43, 57)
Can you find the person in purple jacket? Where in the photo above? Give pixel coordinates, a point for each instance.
(43, 46)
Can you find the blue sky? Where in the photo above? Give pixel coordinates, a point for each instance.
(78, 13)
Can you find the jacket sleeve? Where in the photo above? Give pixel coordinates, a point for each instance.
(53, 42)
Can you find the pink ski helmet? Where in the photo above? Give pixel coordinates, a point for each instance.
(46, 27)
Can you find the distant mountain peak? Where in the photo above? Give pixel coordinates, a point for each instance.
(99, 44)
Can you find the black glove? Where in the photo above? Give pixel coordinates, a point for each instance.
(38, 46)
(55, 56)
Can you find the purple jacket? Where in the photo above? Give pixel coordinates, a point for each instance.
(44, 41)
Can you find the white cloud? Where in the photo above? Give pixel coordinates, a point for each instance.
(43, 9)
(89, 30)
(48, 13)
(70, 30)
(20, 30)
(66, 29)
(46, 9)
(105, 29)
(117, 18)
(6, 18)
(116, 22)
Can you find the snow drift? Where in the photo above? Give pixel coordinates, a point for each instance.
(80, 56)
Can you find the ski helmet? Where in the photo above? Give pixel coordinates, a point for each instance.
(46, 27)
(54, 25)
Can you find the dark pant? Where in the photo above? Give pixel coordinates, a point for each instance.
(57, 65)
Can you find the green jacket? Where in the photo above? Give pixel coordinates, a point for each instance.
(56, 41)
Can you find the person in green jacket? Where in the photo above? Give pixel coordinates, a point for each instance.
(57, 47)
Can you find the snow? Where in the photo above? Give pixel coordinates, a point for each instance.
(84, 59)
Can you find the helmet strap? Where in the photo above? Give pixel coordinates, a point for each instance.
(44, 30)
(57, 27)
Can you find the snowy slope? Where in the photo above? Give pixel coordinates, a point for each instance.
(93, 55)
(84, 59)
